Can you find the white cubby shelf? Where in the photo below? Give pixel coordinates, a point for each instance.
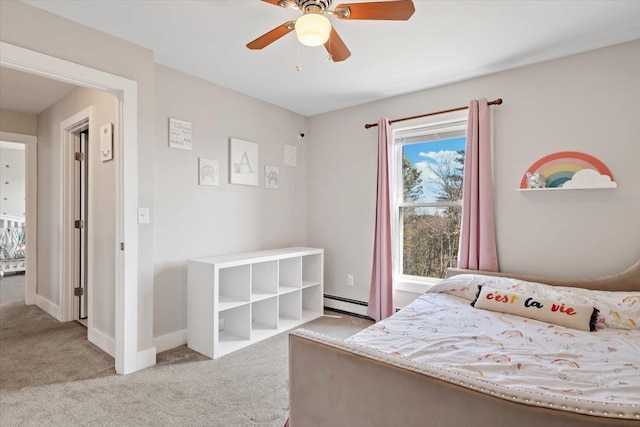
(237, 300)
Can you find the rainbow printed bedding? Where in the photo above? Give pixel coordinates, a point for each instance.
(513, 357)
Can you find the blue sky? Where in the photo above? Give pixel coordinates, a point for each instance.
(424, 155)
(413, 151)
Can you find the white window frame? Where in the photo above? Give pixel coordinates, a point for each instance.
(453, 123)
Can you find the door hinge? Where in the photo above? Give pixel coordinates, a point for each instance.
(78, 223)
(78, 292)
(80, 157)
(122, 246)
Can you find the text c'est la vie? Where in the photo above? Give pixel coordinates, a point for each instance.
(530, 302)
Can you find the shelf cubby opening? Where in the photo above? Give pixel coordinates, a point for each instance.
(289, 274)
(312, 302)
(264, 317)
(311, 270)
(234, 327)
(264, 280)
(289, 309)
(235, 286)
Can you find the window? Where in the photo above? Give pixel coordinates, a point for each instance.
(428, 163)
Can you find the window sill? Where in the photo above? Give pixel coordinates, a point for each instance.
(415, 286)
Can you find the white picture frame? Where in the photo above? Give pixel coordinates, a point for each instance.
(180, 134)
(271, 177)
(290, 155)
(243, 162)
(208, 172)
(106, 142)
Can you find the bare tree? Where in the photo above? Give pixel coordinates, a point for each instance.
(431, 235)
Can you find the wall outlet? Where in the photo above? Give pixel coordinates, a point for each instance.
(349, 279)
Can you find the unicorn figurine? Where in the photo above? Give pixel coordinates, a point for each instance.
(536, 180)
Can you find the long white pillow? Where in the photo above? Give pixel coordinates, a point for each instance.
(567, 313)
(618, 310)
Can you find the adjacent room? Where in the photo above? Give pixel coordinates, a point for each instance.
(313, 213)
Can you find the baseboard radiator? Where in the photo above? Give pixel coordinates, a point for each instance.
(346, 306)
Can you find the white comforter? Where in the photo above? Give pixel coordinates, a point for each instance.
(515, 358)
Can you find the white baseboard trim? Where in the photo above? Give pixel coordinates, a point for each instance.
(346, 306)
(48, 307)
(170, 340)
(146, 358)
(102, 341)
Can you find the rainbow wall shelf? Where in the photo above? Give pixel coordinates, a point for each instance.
(570, 170)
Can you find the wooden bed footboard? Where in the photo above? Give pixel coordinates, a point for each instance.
(333, 383)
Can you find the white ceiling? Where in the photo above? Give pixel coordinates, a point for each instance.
(28, 93)
(444, 42)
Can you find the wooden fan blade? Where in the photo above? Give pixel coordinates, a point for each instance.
(289, 4)
(336, 47)
(399, 10)
(273, 35)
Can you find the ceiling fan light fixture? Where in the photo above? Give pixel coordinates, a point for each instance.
(313, 29)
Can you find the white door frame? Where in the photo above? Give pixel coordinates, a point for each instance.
(68, 127)
(31, 206)
(125, 144)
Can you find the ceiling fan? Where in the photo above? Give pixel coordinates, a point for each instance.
(313, 28)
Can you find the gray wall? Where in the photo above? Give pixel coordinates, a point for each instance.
(587, 102)
(195, 221)
(50, 203)
(17, 122)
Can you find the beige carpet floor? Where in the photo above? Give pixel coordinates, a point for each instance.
(245, 388)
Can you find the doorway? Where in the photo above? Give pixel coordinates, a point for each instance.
(12, 208)
(127, 357)
(29, 144)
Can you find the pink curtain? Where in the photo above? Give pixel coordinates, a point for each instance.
(477, 250)
(381, 293)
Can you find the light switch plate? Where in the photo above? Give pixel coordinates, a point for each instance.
(143, 215)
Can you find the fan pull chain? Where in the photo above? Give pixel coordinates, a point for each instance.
(298, 67)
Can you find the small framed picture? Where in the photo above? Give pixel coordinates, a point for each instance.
(208, 172)
(106, 142)
(243, 162)
(290, 155)
(271, 177)
(180, 134)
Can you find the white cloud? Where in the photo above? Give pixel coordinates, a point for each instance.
(589, 178)
(430, 181)
(443, 155)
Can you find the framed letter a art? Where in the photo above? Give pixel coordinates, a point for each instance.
(243, 162)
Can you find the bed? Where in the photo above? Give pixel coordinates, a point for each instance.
(368, 381)
(12, 244)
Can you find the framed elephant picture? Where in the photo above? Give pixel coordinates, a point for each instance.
(271, 177)
(209, 171)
